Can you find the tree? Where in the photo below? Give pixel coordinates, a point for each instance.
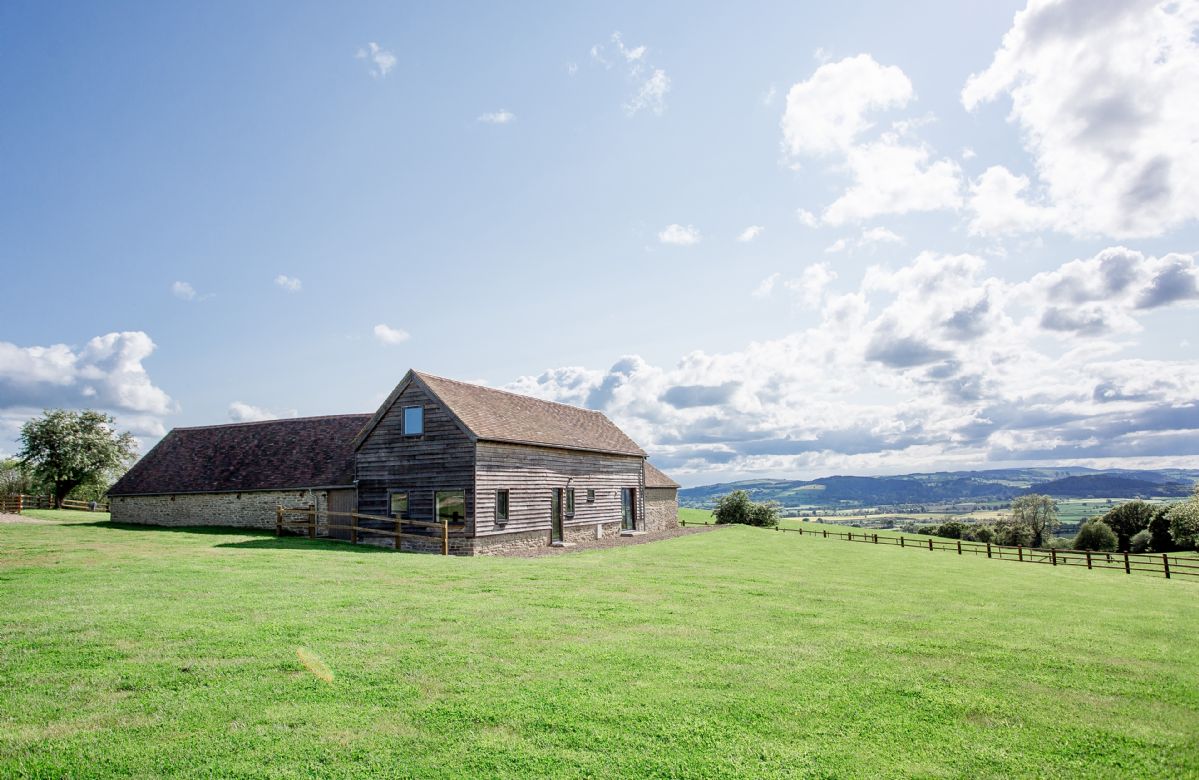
(15, 478)
(1184, 523)
(67, 449)
(1039, 514)
(1128, 519)
(737, 508)
(1160, 539)
(1096, 535)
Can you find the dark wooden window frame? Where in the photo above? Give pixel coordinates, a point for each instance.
(501, 519)
(404, 421)
(568, 510)
(407, 502)
(590, 495)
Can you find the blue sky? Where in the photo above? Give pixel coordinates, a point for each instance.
(775, 239)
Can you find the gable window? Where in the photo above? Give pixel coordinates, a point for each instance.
(501, 506)
(590, 495)
(398, 505)
(570, 502)
(414, 420)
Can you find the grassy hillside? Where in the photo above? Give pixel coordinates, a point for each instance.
(733, 653)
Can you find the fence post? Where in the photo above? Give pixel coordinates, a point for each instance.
(851, 536)
(825, 532)
(353, 528)
(1127, 566)
(876, 538)
(959, 546)
(278, 520)
(1020, 551)
(1088, 559)
(901, 541)
(988, 549)
(20, 503)
(445, 536)
(1053, 556)
(930, 544)
(1166, 564)
(312, 521)
(397, 536)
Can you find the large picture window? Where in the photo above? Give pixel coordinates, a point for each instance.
(414, 420)
(451, 506)
(501, 506)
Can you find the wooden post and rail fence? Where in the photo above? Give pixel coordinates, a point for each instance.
(15, 505)
(310, 517)
(1167, 564)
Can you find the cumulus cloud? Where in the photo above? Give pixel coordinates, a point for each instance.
(380, 61)
(385, 334)
(766, 287)
(183, 291)
(243, 412)
(935, 362)
(106, 373)
(830, 115)
(1104, 97)
(501, 117)
(288, 283)
(807, 218)
(679, 235)
(750, 233)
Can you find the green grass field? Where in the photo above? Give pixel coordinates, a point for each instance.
(734, 653)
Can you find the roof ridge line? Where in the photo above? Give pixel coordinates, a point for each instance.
(265, 422)
(506, 392)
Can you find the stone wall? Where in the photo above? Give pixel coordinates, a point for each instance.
(238, 510)
(661, 509)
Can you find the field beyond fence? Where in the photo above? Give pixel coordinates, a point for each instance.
(15, 505)
(1166, 564)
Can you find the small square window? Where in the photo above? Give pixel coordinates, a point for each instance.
(501, 506)
(398, 505)
(414, 420)
(570, 501)
(590, 495)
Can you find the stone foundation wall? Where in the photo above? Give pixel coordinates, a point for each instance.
(661, 509)
(238, 510)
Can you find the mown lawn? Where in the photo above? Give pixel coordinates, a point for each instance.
(733, 653)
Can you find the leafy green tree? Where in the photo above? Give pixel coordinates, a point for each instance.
(1184, 523)
(1142, 541)
(736, 508)
(1096, 535)
(67, 449)
(15, 478)
(1038, 514)
(1160, 539)
(1128, 519)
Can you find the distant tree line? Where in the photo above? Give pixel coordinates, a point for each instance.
(1134, 526)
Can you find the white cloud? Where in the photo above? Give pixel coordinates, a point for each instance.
(1104, 96)
(932, 363)
(807, 218)
(769, 95)
(651, 83)
(968, 153)
(750, 233)
(390, 336)
(810, 285)
(766, 287)
(381, 61)
(288, 283)
(827, 113)
(830, 113)
(501, 117)
(107, 373)
(879, 235)
(678, 235)
(840, 245)
(183, 291)
(243, 412)
(998, 204)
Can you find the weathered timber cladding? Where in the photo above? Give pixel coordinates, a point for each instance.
(530, 474)
(442, 458)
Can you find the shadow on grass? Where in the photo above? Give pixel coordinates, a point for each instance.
(300, 543)
(209, 530)
(263, 540)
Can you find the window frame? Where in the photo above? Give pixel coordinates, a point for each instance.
(568, 507)
(437, 494)
(590, 495)
(507, 494)
(404, 420)
(407, 511)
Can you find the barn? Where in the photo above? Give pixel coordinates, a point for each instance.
(515, 472)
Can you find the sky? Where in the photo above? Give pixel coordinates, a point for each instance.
(767, 239)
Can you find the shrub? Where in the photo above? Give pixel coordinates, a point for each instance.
(951, 530)
(1128, 519)
(1141, 541)
(736, 508)
(984, 534)
(1096, 535)
(1011, 531)
(1184, 524)
(1160, 539)
(1060, 543)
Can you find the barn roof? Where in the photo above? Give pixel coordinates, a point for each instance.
(654, 478)
(488, 414)
(295, 453)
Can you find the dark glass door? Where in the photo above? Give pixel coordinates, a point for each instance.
(628, 508)
(556, 515)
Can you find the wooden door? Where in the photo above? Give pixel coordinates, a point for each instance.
(345, 500)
